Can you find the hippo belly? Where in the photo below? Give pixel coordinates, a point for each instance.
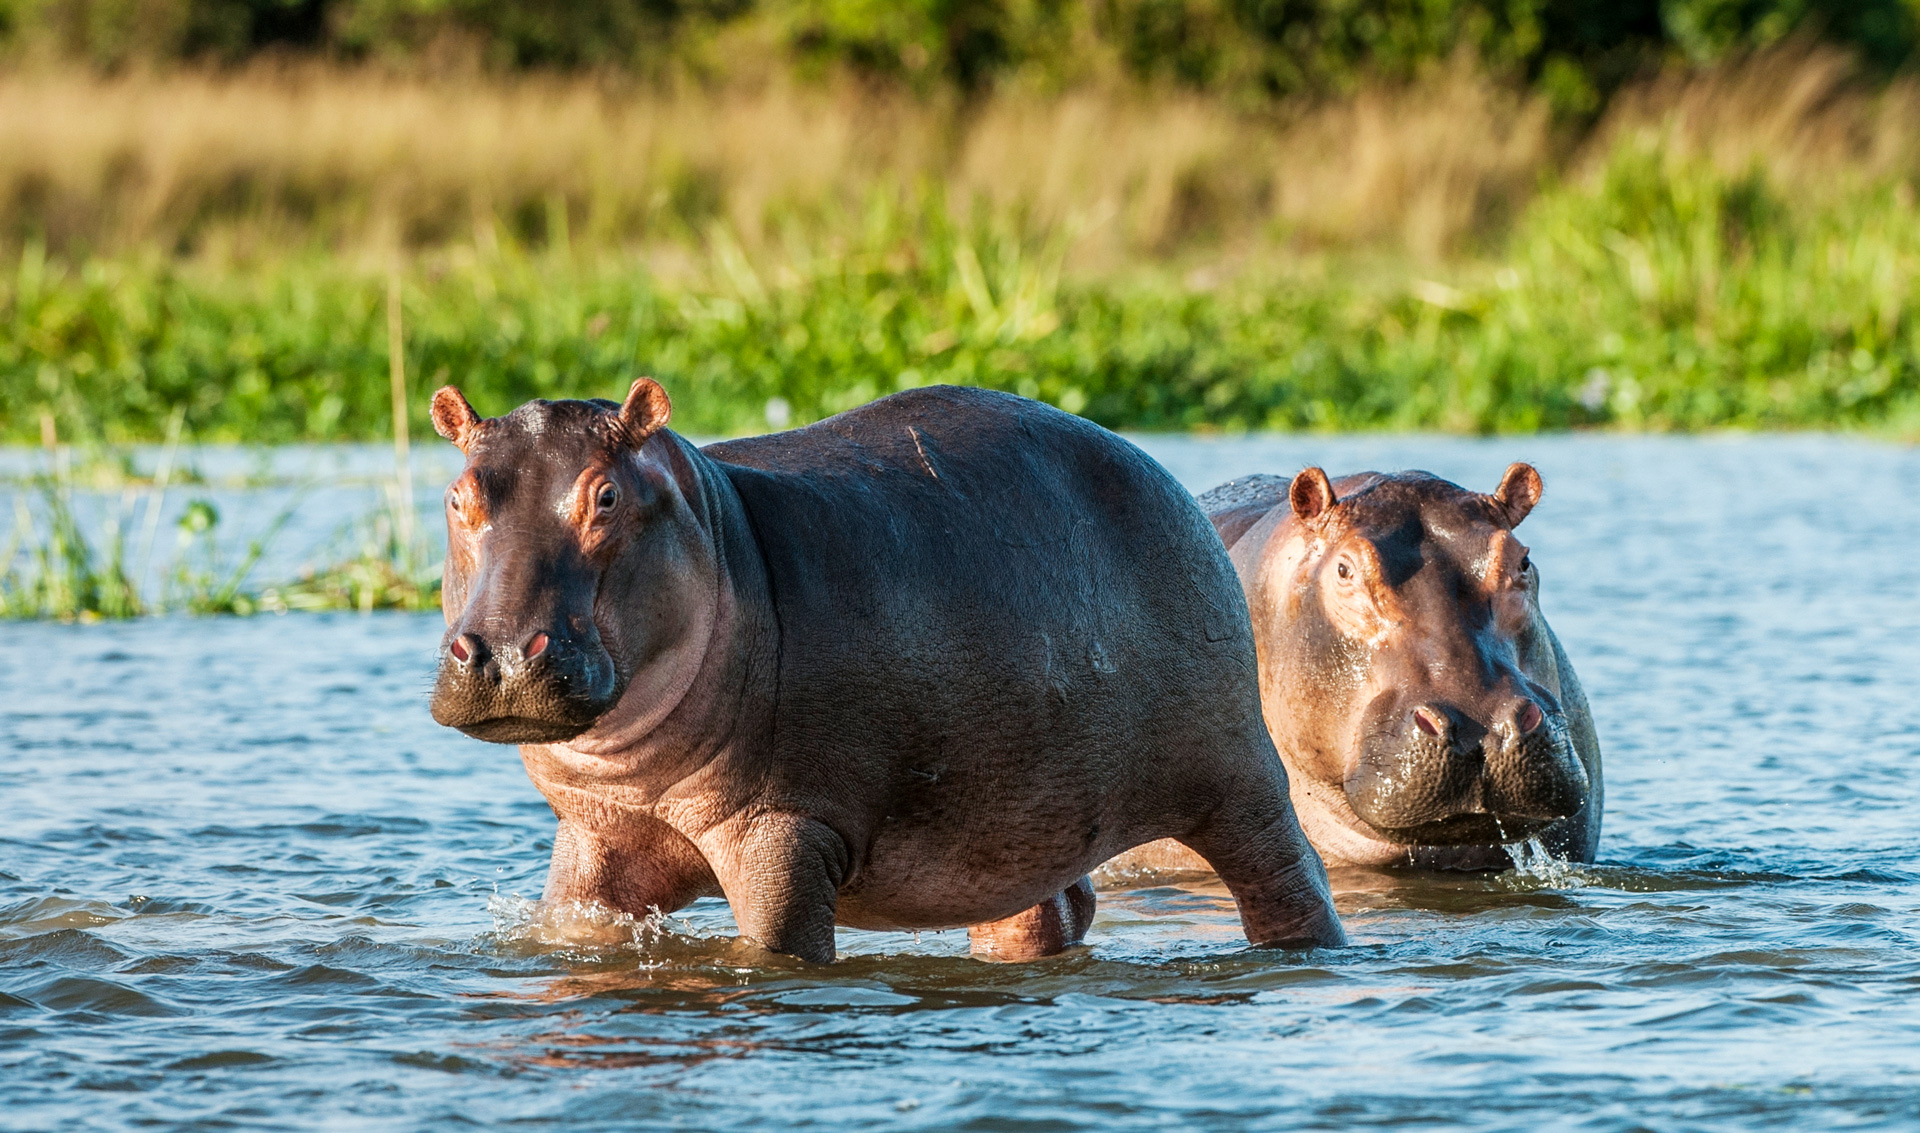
(1016, 654)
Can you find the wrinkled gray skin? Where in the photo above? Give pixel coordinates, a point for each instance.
(1425, 710)
(922, 665)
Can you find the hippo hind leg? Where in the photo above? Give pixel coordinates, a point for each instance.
(1053, 926)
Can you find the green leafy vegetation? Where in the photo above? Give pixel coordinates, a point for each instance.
(379, 563)
(1655, 290)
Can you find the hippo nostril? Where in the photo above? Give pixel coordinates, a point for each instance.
(1529, 717)
(1429, 721)
(536, 645)
(467, 650)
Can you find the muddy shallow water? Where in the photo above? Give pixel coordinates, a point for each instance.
(246, 881)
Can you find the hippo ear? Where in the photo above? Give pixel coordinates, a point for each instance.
(645, 411)
(1311, 494)
(1519, 490)
(453, 418)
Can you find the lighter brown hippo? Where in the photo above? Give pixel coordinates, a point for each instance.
(1426, 712)
(921, 665)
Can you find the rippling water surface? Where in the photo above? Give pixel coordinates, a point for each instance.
(246, 881)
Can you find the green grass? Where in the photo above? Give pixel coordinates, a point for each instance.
(1660, 295)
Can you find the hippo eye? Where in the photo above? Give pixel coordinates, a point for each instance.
(1344, 570)
(607, 497)
(1526, 563)
(459, 505)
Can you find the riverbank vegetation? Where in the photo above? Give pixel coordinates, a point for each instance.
(1725, 247)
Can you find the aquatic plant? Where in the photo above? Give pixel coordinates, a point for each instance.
(51, 567)
(379, 562)
(204, 580)
(388, 565)
(64, 575)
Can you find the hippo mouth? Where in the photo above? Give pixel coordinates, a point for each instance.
(1467, 830)
(521, 730)
(1435, 794)
(531, 703)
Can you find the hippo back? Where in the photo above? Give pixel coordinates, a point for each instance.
(1237, 505)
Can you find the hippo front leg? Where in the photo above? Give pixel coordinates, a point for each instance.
(782, 875)
(1257, 847)
(639, 866)
(1051, 927)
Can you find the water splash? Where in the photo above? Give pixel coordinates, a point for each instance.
(1536, 867)
(580, 927)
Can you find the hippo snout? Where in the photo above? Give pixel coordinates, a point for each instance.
(543, 686)
(1436, 775)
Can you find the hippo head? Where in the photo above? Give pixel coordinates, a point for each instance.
(1405, 630)
(564, 563)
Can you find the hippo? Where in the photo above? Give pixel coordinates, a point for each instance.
(921, 665)
(1425, 710)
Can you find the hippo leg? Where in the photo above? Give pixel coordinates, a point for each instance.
(782, 874)
(638, 867)
(1276, 878)
(1053, 926)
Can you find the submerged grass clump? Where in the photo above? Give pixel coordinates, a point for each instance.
(204, 580)
(377, 565)
(51, 567)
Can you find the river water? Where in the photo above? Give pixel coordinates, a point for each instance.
(246, 882)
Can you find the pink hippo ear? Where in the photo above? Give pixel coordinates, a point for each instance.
(1311, 494)
(453, 418)
(1519, 490)
(645, 411)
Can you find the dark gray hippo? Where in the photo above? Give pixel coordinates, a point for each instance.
(1426, 713)
(922, 665)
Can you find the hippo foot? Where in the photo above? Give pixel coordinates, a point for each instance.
(1049, 928)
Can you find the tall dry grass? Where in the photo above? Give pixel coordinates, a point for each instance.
(1803, 114)
(1417, 168)
(195, 161)
(264, 158)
